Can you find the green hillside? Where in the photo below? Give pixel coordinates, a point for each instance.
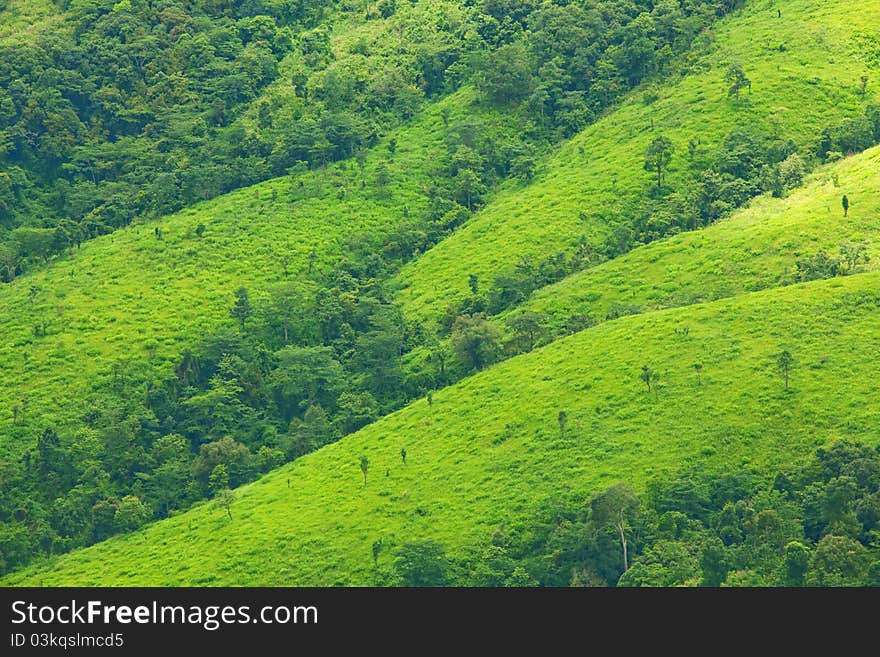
(488, 450)
(756, 248)
(298, 382)
(129, 294)
(805, 69)
(387, 127)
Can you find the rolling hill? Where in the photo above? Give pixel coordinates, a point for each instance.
(488, 450)
(707, 310)
(756, 248)
(130, 293)
(805, 69)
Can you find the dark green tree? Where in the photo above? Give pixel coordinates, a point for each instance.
(365, 466)
(234, 456)
(528, 328)
(715, 562)
(218, 479)
(658, 156)
(469, 187)
(241, 307)
(473, 283)
(166, 485)
(616, 507)
(224, 499)
(785, 361)
(737, 79)
(837, 561)
(475, 341)
(377, 549)
(562, 418)
(382, 177)
(796, 562)
(309, 433)
(10, 258)
(421, 563)
(506, 76)
(647, 375)
(355, 410)
(131, 514)
(306, 376)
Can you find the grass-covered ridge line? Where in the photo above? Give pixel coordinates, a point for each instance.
(805, 69)
(489, 450)
(756, 248)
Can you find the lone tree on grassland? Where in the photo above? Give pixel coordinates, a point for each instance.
(377, 549)
(616, 507)
(365, 466)
(241, 309)
(647, 376)
(658, 156)
(845, 203)
(563, 422)
(473, 283)
(224, 499)
(737, 79)
(785, 361)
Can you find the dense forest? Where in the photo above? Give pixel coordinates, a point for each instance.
(141, 108)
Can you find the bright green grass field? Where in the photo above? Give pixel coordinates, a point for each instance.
(489, 451)
(756, 248)
(128, 293)
(796, 92)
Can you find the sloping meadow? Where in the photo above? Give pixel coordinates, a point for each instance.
(490, 450)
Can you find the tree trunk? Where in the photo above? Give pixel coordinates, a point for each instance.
(659, 177)
(286, 330)
(623, 545)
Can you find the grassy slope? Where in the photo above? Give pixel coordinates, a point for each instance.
(488, 450)
(754, 249)
(797, 92)
(125, 291)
